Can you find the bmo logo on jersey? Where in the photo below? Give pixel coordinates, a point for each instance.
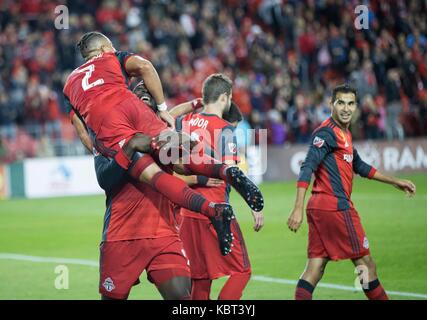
(348, 158)
(318, 142)
(198, 122)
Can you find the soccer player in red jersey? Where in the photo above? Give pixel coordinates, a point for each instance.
(196, 231)
(140, 232)
(335, 229)
(100, 101)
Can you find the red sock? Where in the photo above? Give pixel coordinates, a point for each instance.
(208, 167)
(304, 290)
(201, 289)
(375, 291)
(233, 288)
(181, 194)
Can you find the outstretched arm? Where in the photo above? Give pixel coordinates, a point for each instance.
(199, 180)
(405, 185)
(185, 108)
(365, 170)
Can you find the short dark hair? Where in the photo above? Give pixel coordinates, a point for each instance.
(343, 88)
(87, 42)
(234, 114)
(215, 85)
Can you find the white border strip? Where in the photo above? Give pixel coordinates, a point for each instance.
(91, 263)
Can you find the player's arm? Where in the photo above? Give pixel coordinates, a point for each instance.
(186, 107)
(365, 170)
(360, 167)
(79, 125)
(136, 66)
(199, 180)
(402, 184)
(82, 132)
(322, 142)
(230, 156)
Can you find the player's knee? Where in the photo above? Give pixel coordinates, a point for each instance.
(317, 271)
(245, 276)
(177, 288)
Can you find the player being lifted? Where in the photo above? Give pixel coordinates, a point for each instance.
(100, 101)
(335, 229)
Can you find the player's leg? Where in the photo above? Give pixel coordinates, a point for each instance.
(118, 268)
(181, 194)
(367, 271)
(233, 175)
(169, 270)
(311, 276)
(177, 288)
(237, 264)
(176, 190)
(175, 148)
(233, 288)
(201, 289)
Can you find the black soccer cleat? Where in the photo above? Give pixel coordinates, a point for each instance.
(221, 223)
(246, 188)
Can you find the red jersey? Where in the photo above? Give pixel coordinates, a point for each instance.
(333, 159)
(218, 140)
(134, 210)
(97, 86)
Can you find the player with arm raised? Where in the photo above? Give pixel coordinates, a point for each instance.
(335, 229)
(98, 97)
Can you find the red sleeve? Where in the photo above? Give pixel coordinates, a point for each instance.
(123, 57)
(303, 184)
(372, 173)
(122, 159)
(71, 115)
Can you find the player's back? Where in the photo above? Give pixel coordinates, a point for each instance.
(97, 86)
(217, 140)
(333, 182)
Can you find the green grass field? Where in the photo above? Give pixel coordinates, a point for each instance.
(71, 228)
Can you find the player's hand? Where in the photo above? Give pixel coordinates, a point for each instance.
(166, 117)
(212, 182)
(197, 103)
(405, 185)
(258, 220)
(295, 219)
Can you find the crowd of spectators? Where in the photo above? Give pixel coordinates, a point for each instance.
(284, 57)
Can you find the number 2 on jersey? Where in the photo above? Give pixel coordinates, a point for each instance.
(85, 81)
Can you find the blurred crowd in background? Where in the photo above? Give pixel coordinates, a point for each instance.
(284, 57)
